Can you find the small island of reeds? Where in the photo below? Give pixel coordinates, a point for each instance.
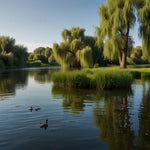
(98, 79)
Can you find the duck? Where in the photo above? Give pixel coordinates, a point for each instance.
(30, 108)
(44, 125)
(37, 108)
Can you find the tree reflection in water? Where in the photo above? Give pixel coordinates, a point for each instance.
(10, 80)
(42, 75)
(143, 140)
(113, 120)
(111, 113)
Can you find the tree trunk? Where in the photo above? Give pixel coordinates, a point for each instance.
(123, 54)
(123, 60)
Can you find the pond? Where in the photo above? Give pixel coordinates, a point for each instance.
(77, 119)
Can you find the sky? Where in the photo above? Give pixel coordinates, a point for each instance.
(36, 23)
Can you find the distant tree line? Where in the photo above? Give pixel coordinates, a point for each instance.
(42, 55)
(12, 55)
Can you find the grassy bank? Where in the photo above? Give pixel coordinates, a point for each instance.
(93, 78)
(100, 78)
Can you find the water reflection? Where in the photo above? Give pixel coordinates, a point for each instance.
(77, 99)
(9, 81)
(42, 75)
(113, 120)
(110, 111)
(144, 119)
(105, 117)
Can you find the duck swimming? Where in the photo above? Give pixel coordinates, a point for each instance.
(30, 108)
(38, 108)
(44, 125)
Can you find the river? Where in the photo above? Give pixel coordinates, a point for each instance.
(77, 119)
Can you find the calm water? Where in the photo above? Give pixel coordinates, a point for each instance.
(77, 119)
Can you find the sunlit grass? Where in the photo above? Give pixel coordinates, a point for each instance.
(93, 78)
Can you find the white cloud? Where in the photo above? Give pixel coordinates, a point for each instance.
(32, 45)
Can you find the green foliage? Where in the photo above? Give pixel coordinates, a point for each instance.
(20, 54)
(42, 58)
(130, 61)
(144, 14)
(71, 79)
(12, 55)
(51, 59)
(84, 56)
(45, 55)
(93, 79)
(116, 20)
(48, 52)
(34, 63)
(73, 52)
(39, 50)
(97, 52)
(30, 56)
(136, 56)
(6, 44)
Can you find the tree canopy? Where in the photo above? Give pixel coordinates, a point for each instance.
(73, 52)
(143, 7)
(42, 54)
(11, 55)
(117, 18)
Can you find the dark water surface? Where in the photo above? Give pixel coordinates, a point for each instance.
(77, 119)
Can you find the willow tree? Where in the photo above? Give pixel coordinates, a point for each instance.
(73, 52)
(143, 7)
(116, 19)
(6, 44)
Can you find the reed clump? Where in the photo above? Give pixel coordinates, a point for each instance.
(107, 79)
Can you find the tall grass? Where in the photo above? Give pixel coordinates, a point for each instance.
(106, 79)
(71, 79)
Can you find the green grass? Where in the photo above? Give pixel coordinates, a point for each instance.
(93, 78)
(100, 78)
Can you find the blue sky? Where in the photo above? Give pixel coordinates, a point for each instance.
(35, 23)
